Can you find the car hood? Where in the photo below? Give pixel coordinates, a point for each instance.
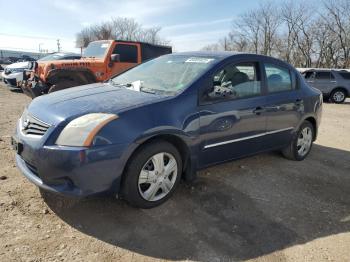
(19, 65)
(94, 98)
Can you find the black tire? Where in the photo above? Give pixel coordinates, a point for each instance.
(62, 85)
(291, 151)
(130, 186)
(338, 96)
(326, 98)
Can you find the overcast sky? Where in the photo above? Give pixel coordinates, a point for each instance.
(188, 24)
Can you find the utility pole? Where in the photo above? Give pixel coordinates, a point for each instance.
(40, 50)
(58, 45)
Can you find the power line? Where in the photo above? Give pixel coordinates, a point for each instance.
(35, 37)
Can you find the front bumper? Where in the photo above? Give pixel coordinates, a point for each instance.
(32, 87)
(32, 176)
(72, 171)
(12, 79)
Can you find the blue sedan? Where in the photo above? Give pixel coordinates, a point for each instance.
(137, 135)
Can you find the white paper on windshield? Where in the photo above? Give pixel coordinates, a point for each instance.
(104, 45)
(201, 60)
(136, 85)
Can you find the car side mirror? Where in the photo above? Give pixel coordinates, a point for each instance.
(115, 58)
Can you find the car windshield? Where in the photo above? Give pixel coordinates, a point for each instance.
(56, 56)
(168, 74)
(96, 49)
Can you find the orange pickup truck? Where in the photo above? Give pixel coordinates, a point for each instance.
(100, 61)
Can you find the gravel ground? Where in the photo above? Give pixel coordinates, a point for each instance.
(262, 208)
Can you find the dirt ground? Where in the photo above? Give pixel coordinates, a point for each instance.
(262, 208)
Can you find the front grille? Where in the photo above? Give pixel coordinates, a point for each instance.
(33, 126)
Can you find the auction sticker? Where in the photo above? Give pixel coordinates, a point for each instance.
(201, 60)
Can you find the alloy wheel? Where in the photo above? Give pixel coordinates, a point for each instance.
(158, 176)
(338, 96)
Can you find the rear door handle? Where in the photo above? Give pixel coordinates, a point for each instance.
(272, 108)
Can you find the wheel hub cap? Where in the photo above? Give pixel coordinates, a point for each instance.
(157, 176)
(304, 141)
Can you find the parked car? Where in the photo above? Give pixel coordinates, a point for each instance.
(139, 133)
(334, 84)
(13, 74)
(101, 60)
(25, 58)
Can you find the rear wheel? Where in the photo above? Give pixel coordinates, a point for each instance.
(152, 175)
(301, 144)
(338, 96)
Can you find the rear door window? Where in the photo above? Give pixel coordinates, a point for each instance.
(128, 53)
(345, 75)
(279, 78)
(323, 76)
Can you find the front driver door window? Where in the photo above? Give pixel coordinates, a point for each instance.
(231, 120)
(236, 81)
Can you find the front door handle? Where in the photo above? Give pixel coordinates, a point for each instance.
(298, 102)
(258, 110)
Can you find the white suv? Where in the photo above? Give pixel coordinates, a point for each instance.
(13, 73)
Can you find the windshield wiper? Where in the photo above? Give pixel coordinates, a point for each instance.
(147, 90)
(118, 84)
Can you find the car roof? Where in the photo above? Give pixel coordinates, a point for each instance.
(221, 55)
(327, 70)
(214, 54)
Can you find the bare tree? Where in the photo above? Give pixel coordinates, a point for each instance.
(119, 28)
(295, 31)
(250, 27)
(338, 21)
(269, 18)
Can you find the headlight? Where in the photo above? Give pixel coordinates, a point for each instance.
(16, 70)
(82, 130)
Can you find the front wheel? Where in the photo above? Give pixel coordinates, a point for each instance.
(301, 144)
(152, 175)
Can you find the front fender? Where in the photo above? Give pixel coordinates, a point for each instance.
(80, 75)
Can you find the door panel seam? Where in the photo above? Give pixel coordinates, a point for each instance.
(247, 137)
